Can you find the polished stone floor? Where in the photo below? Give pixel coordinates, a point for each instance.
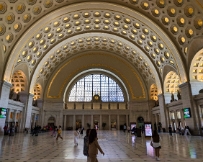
(117, 145)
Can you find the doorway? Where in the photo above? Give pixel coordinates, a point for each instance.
(51, 122)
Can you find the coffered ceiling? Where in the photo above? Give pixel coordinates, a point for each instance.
(150, 35)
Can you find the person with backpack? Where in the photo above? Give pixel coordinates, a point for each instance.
(86, 144)
(94, 146)
(170, 130)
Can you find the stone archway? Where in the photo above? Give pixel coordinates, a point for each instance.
(51, 121)
(140, 122)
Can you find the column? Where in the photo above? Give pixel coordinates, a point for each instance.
(156, 118)
(163, 112)
(64, 122)
(109, 122)
(126, 118)
(176, 119)
(187, 102)
(100, 121)
(34, 120)
(74, 127)
(83, 123)
(28, 111)
(5, 91)
(92, 124)
(15, 116)
(8, 115)
(20, 122)
(118, 123)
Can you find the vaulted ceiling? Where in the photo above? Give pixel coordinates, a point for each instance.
(151, 36)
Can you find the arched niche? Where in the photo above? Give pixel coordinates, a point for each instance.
(196, 72)
(153, 92)
(37, 91)
(64, 74)
(23, 68)
(19, 82)
(194, 48)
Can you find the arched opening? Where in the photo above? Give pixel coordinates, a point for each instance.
(96, 87)
(140, 122)
(51, 121)
(196, 72)
(171, 87)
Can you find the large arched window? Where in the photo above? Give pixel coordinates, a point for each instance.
(96, 84)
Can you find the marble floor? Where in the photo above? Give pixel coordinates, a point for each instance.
(117, 145)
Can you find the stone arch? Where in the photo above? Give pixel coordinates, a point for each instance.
(194, 48)
(196, 72)
(171, 86)
(171, 83)
(107, 5)
(140, 122)
(23, 68)
(153, 92)
(51, 121)
(196, 67)
(65, 72)
(19, 82)
(37, 91)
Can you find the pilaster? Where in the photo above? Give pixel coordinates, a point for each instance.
(118, 122)
(28, 110)
(163, 112)
(187, 102)
(5, 91)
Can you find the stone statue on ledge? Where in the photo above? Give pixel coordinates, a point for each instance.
(172, 97)
(11, 94)
(178, 95)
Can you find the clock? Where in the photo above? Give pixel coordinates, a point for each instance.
(96, 97)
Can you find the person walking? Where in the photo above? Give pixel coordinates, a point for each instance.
(86, 144)
(170, 130)
(187, 131)
(124, 127)
(76, 135)
(54, 131)
(155, 143)
(94, 146)
(59, 132)
(81, 131)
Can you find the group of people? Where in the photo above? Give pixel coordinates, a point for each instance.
(10, 130)
(181, 131)
(57, 132)
(91, 145)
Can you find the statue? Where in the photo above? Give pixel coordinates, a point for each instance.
(172, 97)
(11, 94)
(178, 95)
(18, 97)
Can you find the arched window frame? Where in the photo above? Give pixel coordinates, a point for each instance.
(114, 78)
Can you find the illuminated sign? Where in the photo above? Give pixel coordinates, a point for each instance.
(148, 129)
(2, 112)
(187, 113)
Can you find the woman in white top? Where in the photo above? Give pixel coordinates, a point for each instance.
(76, 137)
(156, 143)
